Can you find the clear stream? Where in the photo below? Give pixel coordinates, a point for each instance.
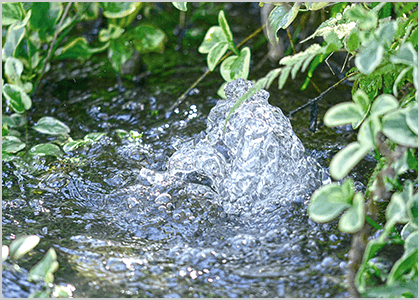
(123, 227)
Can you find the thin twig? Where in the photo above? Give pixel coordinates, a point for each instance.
(322, 95)
(53, 43)
(185, 94)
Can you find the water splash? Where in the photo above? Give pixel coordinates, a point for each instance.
(256, 160)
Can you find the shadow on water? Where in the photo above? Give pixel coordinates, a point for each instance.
(122, 228)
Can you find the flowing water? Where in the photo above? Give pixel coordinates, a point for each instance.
(187, 210)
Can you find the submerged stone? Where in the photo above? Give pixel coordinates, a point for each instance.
(257, 158)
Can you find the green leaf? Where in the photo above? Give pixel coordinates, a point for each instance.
(396, 290)
(4, 253)
(72, 145)
(329, 201)
(407, 262)
(412, 242)
(44, 269)
(44, 16)
(23, 245)
(406, 55)
(113, 32)
(93, 137)
(369, 58)
(383, 104)
(283, 76)
(216, 54)
(397, 209)
(386, 31)
(353, 41)
(372, 248)
(395, 127)
(15, 34)
(346, 159)
(353, 219)
(180, 5)
(413, 211)
(119, 54)
(235, 67)
(368, 131)
(19, 100)
(315, 5)
(46, 149)
(365, 19)
(213, 36)
(11, 13)
(15, 120)
(90, 9)
(342, 114)
(78, 48)
(227, 32)
(412, 118)
(11, 144)
(117, 10)
(4, 130)
(51, 126)
(148, 39)
(362, 101)
(28, 53)
(13, 70)
(398, 80)
(221, 91)
(281, 17)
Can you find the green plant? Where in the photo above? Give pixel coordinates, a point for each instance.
(40, 272)
(33, 27)
(382, 40)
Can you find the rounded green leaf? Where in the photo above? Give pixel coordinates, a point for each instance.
(116, 10)
(383, 104)
(94, 136)
(78, 48)
(11, 144)
(15, 34)
(4, 253)
(412, 242)
(52, 126)
(15, 120)
(119, 54)
(406, 55)
(346, 159)
(369, 58)
(395, 127)
(353, 41)
(180, 5)
(46, 149)
(213, 36)
(353, 219)
(112, 32)
(235, 67)
(342, 114)
(362, 100)
(315, 5)
(11, 13)
(368, 131)
(13, 69)
(70, 146)
(216, 54)
(328, 202)
(281, 17)
(23, 245)
(44, 269)
(397, 209)
(148, 39)
(412, 118)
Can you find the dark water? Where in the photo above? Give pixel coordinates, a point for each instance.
(121, 228)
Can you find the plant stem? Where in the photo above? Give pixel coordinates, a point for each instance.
(322, 95)
(52, 45)
(185, 94)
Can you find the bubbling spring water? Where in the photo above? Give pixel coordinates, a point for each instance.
(256, 160)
